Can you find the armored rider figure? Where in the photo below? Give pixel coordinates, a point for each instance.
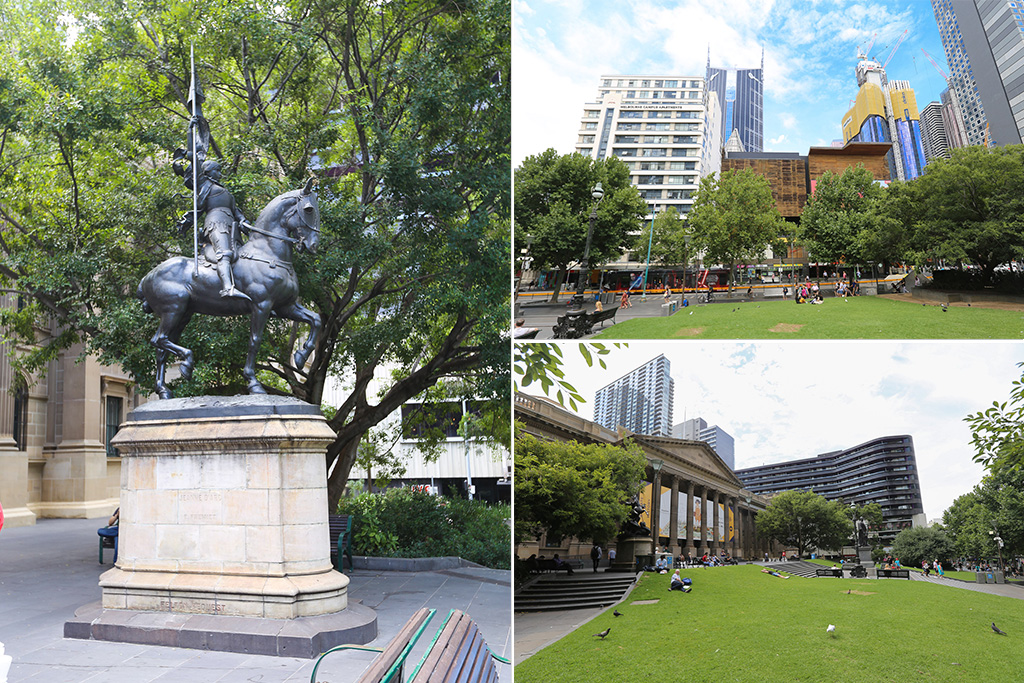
(220, 226)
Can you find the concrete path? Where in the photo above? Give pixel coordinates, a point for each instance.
(49, 570)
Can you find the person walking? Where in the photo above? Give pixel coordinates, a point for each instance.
(595, 556)
(611, 556)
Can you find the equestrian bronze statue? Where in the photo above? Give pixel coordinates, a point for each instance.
(174, 291)
(227, 277)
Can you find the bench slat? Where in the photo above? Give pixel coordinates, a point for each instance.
(458, 654)
(387, 666)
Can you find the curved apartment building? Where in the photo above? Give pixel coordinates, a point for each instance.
(883, 471)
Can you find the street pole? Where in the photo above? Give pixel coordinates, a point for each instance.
(576, 302)
(650, 238)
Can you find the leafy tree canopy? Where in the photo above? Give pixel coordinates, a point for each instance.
(998, 432)
(542, 363)
(922, 543)
(836, 213)
(668, 243)
(407, 104)
(734, 218)
(970, 207)
(553, 205)
(568, 489)
(804, 519)
(994, 507)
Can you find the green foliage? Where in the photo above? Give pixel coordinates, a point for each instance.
(804, 519)
(407, 523)
(410, 102)
(836, 214)
(921, 543)
(668, 244)
(542, 363)
(734, 218)
(997, 434)
(994, 507)
(970, 207)
(575, 490)
(553, 203)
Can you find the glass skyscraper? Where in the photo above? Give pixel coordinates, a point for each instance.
(742, 93)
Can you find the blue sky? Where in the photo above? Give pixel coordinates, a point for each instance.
(561, 48)
(790, 400)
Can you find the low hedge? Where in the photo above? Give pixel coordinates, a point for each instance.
(405, 523)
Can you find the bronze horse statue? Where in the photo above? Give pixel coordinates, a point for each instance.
(174, 291)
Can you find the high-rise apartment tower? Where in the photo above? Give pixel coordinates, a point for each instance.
(984, 45)
(721, 442)
(640, 401)
(664, 128)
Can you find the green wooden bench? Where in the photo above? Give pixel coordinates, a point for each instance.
(387, 667)
(341, 536)
(458, 654)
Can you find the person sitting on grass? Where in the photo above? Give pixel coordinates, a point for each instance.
(773, 573)
(677, 584)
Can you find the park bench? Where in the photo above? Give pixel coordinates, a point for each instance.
(387, 666)
(548, 565)
(458, 654)
(836, 573)
(575, 325)
(341, 537)
(108, 539)
(894, 573)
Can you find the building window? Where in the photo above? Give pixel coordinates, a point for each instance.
(115, 404)
(21, 417)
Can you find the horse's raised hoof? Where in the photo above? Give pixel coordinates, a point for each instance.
(186, 367)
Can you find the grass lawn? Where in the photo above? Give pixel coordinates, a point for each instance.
(741, 625)
(862, 317)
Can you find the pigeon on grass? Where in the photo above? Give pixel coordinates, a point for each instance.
(996, 629)
(831, 630)
(603, 633)
(616, 613)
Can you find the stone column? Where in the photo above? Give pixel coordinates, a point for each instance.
(13, 463)
(689, 517)
(716, 517)
(738, 540)
(673, 516)
(75, 476)
(656, 509)
(704, 518)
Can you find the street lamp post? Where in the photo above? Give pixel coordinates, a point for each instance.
(650, 239)
(999, 546)
(576, 302)
(686, 262)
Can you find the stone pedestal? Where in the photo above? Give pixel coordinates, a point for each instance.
(864, 557)
(224, 513)
(628, 549)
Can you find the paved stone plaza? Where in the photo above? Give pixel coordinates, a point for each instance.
(49, 570)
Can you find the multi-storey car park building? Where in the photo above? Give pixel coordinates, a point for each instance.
(883, 471)
(640, 401)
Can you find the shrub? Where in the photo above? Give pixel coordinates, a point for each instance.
(405, 523)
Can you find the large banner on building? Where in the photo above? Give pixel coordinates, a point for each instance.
(732, 526)
(681, 514)
(697, 516)
(664, 513)
(720, 529)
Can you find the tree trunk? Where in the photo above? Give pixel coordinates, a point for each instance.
(559, 279)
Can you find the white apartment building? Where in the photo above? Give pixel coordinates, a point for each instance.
(666, 129)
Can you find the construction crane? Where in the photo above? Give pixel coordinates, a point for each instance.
(942, 73)
(864, 54)
(894, 48)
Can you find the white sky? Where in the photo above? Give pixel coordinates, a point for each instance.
(789, 400)
(560, 49)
